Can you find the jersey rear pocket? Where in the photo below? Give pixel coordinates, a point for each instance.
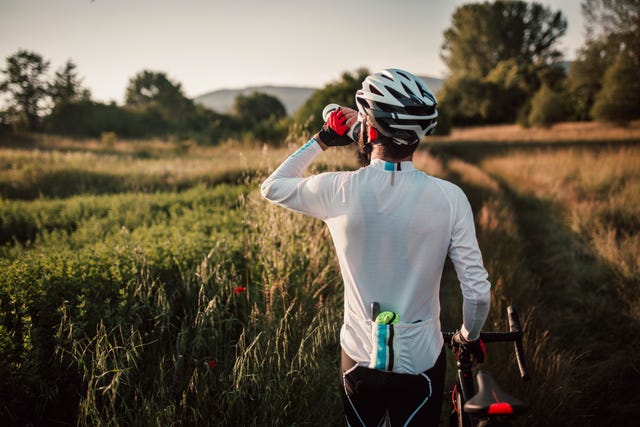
(404, 347)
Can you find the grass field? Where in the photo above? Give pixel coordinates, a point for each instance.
(147, 283)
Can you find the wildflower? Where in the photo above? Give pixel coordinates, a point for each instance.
(212, 363)
(239, 290)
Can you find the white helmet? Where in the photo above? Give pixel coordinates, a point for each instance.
(400, 105)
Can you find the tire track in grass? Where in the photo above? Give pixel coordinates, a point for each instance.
(583, 312)
(547, 393)
(578, 302)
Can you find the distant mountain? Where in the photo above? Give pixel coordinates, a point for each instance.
(291, 97)
(222, 100)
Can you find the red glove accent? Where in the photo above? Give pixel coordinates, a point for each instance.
(338, 122)
(333, 133)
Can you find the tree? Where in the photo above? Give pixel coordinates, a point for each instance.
(613, 18)
(341, 92)
(499, 54)
(66, 86)
(495, 99)
(258, 107)
(619, 99)
(154, 92)
(585, 75)
(484, 34)
(548, 107)
(611, 26)
(260, 117)
(26, 84)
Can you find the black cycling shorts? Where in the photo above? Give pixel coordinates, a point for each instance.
(370, 395)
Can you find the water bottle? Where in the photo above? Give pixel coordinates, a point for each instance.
(354, 131)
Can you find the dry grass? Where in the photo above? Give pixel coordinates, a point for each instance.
(579, 213)
(549, 392)
(50, 166)
(599, 192)
(571, 131)
(559, 228)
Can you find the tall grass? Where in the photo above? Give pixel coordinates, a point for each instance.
(168, 305)
(578, 212)
(551, 391)
(168, 308)
(597, 194)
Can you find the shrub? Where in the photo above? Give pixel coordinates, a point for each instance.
(548, 107)
(618, 100)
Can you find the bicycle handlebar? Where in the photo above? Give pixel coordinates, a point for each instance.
(514, 326)
(514, 335)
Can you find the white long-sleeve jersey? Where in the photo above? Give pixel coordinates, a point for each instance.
(393, 227)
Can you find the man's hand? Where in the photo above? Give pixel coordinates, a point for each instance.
(476, 347)
(333, 133)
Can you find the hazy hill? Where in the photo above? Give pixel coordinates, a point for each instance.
(222, 100)
(291, 97)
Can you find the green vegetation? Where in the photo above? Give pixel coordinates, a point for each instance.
(155, 106)
(178, 304)
(340, 92)
(547, 107)
(503, 55)
(618, 102)
(167, 306)
(499, 54)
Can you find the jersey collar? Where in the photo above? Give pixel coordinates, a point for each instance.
(392, 166)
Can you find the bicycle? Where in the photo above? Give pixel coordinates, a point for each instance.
(490, 406)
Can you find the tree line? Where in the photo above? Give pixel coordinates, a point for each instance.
(504, 67)
(155, 105)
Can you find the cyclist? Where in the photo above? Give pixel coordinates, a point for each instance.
(392, 227)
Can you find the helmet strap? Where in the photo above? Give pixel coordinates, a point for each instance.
(364, 153)
(364, 145)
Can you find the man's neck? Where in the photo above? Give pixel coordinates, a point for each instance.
(376, 154)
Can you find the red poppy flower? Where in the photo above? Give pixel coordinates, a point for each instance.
(211, 363)
(239, 290)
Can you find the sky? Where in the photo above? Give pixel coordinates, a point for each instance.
(208, 45)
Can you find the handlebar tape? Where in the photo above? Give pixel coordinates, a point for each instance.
(514, 326)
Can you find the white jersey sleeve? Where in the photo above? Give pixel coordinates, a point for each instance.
(286, 187)
(467, 260)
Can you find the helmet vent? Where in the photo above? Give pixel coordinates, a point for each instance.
(424, 123)
(419, 110)
(375, 90)
(403, 75)
(395, 93)
(427, 94)
(363, 102)
(406, 89)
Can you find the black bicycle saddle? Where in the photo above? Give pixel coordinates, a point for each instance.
(491, 400)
